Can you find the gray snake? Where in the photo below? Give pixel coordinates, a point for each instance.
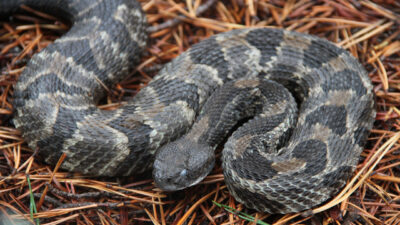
(283, 158)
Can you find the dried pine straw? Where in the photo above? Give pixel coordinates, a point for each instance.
(43, 194)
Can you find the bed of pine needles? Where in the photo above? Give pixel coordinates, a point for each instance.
(33, 192)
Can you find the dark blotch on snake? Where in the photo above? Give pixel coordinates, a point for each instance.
(336, 120)
(314, 153)
(319, 52)
(352, 82)
(258, 168)
(266, 41)
(215, 57)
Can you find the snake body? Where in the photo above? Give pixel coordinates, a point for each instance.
(56, 95)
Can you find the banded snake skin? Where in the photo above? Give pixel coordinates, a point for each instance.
(306, 106)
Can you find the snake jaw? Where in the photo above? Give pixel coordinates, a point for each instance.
(182, 164)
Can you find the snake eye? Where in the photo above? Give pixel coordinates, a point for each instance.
(183, 173)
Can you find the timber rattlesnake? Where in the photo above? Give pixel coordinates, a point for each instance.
(56, 96)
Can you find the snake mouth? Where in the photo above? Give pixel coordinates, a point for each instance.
(181, 180)
(179, 183)
(170, 183)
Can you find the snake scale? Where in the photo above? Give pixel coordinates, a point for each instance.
(290, 152)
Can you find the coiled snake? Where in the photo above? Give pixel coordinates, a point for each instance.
(275, 162)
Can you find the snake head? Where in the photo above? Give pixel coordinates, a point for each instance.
(181, 164)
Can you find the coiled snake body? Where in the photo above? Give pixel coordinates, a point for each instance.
(269, 164)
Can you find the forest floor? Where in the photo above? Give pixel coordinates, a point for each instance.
(34, 192)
